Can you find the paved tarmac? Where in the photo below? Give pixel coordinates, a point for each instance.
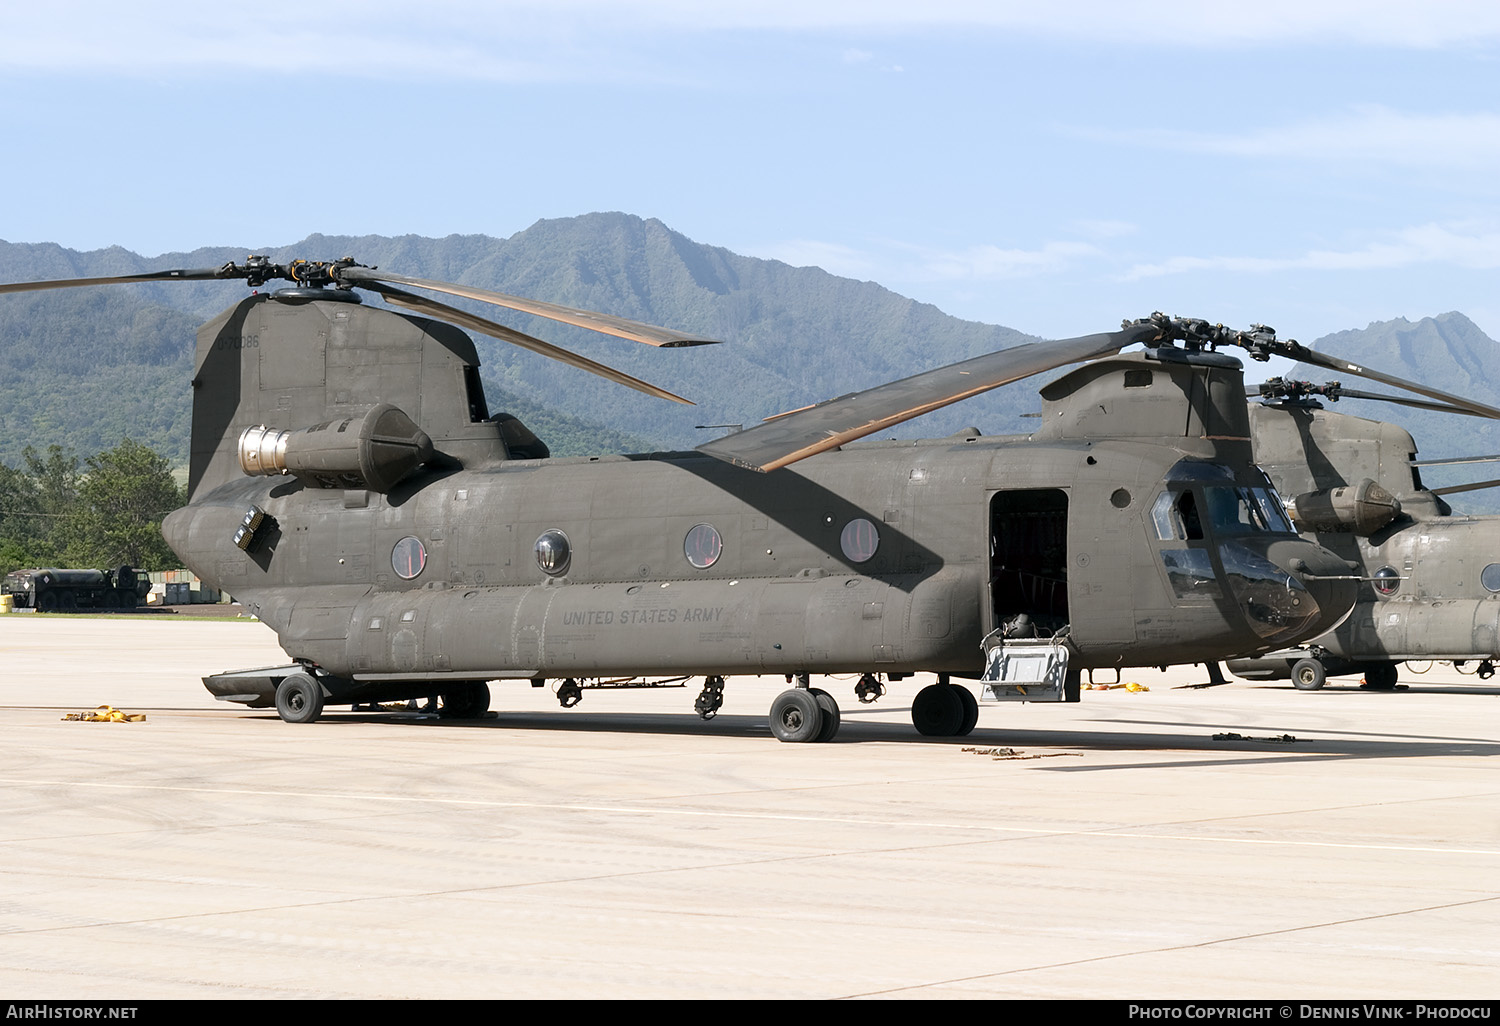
(626, 849)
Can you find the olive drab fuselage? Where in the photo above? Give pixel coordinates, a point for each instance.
(1133, 522)
(1431, 578)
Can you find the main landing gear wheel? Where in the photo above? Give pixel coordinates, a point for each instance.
(830, 710)
(299, 698)
(796, 716)
(465, 702)
(1380, 677)
(1308, 675)
(944, 710)
(971, 709)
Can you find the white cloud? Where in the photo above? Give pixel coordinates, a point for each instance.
(1426, 244)
(1380, 22)
(892, 261)
(549, 39)
(992, 263)
(1363, 135)
(844, 261)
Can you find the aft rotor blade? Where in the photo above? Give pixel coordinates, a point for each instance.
(1420, 404)
(187, 274)
(793, 436)
(1455, 461)
(1334, 363)
(1399, 400)
(617, 326)
(1476, 486)
(442, 311)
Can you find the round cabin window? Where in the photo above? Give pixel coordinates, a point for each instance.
(408, 557)
(553, 554)
(859, 540)
(702, 546)
(1490, 577)
(1387, 581)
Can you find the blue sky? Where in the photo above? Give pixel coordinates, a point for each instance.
(1312, 165)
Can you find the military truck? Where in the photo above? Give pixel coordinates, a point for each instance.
(50, 590)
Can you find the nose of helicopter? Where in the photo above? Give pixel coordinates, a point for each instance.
(1289, 590)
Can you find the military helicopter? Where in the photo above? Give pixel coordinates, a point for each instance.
(1431, 578)
(348, 484)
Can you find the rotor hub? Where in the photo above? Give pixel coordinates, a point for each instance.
(303, 294)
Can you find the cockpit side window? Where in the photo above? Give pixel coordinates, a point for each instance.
(1175, 516)
(1231, 511)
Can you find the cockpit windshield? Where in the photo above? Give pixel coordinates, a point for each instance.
(1227, 510)
(1245, 510)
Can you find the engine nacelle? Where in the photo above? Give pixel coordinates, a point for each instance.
(1363, 508)
(373, 450)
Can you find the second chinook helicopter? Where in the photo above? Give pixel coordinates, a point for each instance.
(349, 485)
(1431, 578)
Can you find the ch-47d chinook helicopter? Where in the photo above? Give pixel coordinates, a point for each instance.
(348, 484)
(1431, 586)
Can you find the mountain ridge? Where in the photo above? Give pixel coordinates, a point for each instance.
(793, 336)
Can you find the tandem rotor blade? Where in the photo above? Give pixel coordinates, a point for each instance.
(1476, 486)
(184, 274)
(789, 437)
(1456, 461)
(617, 326)
(1351, 393)
(1335, 363)
(442, 311)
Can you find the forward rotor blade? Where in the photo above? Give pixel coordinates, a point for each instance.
(1334, 363)
(793, 436)
(442, 311)
(189, 274)
(618, 326)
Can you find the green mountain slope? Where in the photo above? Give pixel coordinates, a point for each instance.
(793, 336)
(84, 368)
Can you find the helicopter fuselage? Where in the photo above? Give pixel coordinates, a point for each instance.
(1430, 584)
(882, 557)
(1433, 593)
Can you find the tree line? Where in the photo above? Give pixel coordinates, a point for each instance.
(100, 512)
